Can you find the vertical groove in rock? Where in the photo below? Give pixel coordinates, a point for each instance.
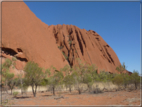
(79, 41)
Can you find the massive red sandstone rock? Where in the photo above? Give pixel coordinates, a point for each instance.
(23, 32)
(29, 39)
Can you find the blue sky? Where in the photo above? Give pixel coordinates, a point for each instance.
(117, 22)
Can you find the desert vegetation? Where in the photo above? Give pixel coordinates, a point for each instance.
(83, 78)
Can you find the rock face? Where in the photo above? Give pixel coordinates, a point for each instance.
(23, 34)
(29, 39)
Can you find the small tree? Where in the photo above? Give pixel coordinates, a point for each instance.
(6, 75)
(12, 83)
(55, 79)
(135, 78)
(66, 70)
(45, 80)
(126, 79)
(105, 76)
(88, 79)
(83, 73)
(78, 81)
(21, 81)
(121, 68)
(118, 80)
(33, 75)
(69, 81)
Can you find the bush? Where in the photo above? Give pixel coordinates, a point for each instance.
(126, 80)
(60, 47)
(121, 68)
(14, 59)
(105, 76)
(25, 88)
(65, 56)
(135, 79)
(15, 94)
(118, 80)
(88, 80)
(70, 42)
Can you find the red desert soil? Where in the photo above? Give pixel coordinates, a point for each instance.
(28, 38)
(106, 98)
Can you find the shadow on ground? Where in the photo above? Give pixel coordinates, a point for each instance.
(46, 95)
(22, 97)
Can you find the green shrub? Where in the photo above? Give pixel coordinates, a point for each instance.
(15, 94)
(14, 59)
(135, 78)
(118, 80)
(44, 82)
(126, 79)
(65, 56)
(88, 79)
(70, 42)
(69, 81)
(121, 68)
(60, 47)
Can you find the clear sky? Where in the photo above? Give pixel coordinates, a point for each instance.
(118, 23)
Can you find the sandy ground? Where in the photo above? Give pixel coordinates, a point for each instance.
(105, 98)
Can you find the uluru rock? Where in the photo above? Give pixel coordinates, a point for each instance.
(29, 39)
(23, 32)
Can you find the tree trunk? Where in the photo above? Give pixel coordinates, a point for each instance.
(79, 90)
(11, 91)
(39, 88)
(21, 91)
(53, 90)
(70, 89)
(21, 87)
(88, 87)
(6, 88)
(125, 85)
(33, 90)
(135, 86)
